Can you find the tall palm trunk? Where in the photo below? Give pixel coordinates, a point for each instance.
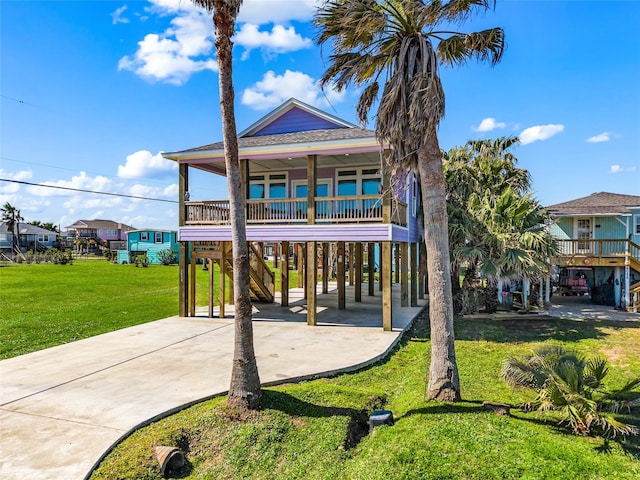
(444, 383)
(244, 391)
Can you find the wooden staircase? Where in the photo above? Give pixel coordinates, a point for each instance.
(261, 278)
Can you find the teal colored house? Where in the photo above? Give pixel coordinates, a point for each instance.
(599, 238)
(148, 243)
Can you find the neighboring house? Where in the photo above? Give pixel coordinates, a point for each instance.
(599, 238)
(148, 243)
(31, 238)
(100, 233)
(354, 206)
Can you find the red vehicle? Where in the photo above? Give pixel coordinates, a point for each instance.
(575, 281)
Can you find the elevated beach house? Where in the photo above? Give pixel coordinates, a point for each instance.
(599, 238)
(315, 188)
(99, 233)
(26, 237)
(149, 243)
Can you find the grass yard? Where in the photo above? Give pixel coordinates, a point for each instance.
(314, 430)
(43, 305)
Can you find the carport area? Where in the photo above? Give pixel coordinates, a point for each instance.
(582, 307)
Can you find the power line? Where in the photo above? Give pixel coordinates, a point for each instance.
(89, 191)
(67, 169)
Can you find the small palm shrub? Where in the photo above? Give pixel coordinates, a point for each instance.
(574, 386)
(167, 257)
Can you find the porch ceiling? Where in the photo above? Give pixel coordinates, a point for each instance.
(292, 163)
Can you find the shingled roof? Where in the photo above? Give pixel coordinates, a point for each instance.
(600, 203)
(309, 136)
(100, 224)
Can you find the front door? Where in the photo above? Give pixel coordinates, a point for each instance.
(584, 233)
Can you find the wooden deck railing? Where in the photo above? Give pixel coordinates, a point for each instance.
(596, 248)
(345, 209)
(624, 250)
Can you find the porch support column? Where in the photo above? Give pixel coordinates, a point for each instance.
(380, 282)
(385, 279)
(371, 266)
(540, 290)
(525, 293)
(300, 257)
(211, 285)
(499, 290)
(341, 280)
(626, 301)
(351, 264)
(414, 274)
(358, 270)
(397, 252)
(183, 290)
(404, 274)
(325, 267)
(422, 268)
(312, 269)
(547, 290)
(192, 285)
(284, 275)
(312, 175)
(223, 277)
(617, 290)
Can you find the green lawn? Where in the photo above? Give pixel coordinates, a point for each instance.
(43, 305)
(313, 430)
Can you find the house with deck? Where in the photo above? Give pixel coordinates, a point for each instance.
(599, 252)
(149, 243)
(29, 237)
(99, 233)
(316, 186)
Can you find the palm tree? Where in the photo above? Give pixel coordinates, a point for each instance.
(496, 227)
(244, 391)
(397, 42)
(11, 215)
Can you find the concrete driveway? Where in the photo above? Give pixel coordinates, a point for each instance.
(581, 307)
(63, 407)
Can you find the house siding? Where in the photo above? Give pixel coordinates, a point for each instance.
(563, 228)
(301, 233)
(152, 249)
(296, 120)
(609, 228)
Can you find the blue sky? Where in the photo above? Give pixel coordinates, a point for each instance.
(93, 91)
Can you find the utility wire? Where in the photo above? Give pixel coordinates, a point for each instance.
(88, 191)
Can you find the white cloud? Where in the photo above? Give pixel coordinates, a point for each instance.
(619, 169)
(274, 89)
(488, 124)
(81, 181)
(7, 188)
(601, 137)
(140, 190)
(144, 164)
(182, 49)
(539, 132)
(262, 12)
(186, 47)
(279, 40)
(116, 17)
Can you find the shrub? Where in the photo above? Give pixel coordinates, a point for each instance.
(568, 383)
(168, 257)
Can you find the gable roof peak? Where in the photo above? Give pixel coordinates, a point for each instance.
(291, 104)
